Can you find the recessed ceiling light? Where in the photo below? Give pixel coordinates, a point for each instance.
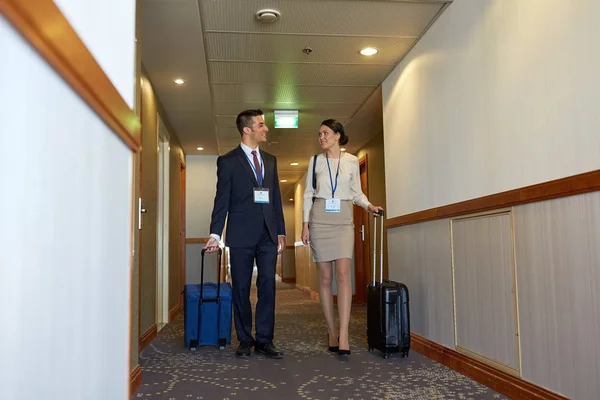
(283, 181)
(179, 81)
(293, 164)
(291, 199)
(200, 148)
(343, 149)
(368, 51)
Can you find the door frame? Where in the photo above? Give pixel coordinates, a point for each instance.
(182, 227)
(162, 248)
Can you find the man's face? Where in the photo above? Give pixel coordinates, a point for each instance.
(258, 130)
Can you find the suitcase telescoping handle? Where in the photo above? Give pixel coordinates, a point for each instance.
(375, 216)
(219, 254)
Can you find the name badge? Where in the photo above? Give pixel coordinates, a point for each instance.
(332, 205)
(261, 195)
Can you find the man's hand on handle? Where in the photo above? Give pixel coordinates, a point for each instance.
(212, 245)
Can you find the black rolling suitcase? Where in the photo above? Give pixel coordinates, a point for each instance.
(388, 317)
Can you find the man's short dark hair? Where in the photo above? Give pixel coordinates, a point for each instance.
(244, 119)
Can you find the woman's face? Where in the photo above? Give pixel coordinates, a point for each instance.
(327, 137)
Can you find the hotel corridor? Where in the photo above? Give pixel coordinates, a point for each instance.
(307, 371)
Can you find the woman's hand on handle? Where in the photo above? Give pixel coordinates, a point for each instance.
(375, 209)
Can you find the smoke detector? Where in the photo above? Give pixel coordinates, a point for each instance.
(267, 15)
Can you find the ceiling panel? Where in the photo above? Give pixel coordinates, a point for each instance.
(231, 62)
(298, 74)
(274, 133)
(358, 18)
(171, 46)
(287, 48)
(343, 109)
(292, 146)
(283, 162)
(291, 93)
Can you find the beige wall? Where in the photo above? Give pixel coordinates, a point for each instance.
(201, 184)
(375, 154)
(176, 159)
(519, 289)
(460, 125)
(494, 97)
(66, 185)
(287, 261)
(306, 270)
(149, 195)
(135, 243)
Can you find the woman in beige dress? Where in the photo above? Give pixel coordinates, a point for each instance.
(328, 225)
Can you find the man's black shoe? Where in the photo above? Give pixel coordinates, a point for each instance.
(268, 350)
(244, 349)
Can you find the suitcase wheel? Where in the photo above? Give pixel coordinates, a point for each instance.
(193, 345)
(386, 356)
(222, 343)
(405, 354)
(370, 349)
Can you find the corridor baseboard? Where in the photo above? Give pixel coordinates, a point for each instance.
(291, 281)
(493, 378)
(148, 336)
(135, 380)
(173, 312)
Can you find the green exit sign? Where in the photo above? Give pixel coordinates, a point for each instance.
(286, 119)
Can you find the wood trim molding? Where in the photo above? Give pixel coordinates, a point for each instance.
(44, 26)
(173, 312)
(570, 186)
(291, 281)
(135, 380)
(500, 381)
(196, 240)
(148, 336)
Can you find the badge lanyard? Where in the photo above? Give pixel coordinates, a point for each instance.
(259, 179)
(333, 188)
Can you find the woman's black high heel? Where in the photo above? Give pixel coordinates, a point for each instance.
(344, 352)
(333, 349)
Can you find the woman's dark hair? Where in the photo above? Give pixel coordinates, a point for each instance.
(337, 127)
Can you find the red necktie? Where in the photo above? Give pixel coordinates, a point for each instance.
(257, 166)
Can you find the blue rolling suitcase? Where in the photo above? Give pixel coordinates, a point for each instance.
(207, 312)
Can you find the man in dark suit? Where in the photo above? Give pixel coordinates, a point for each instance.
(248, 194)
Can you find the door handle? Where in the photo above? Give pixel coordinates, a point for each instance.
(362, 232)
(140, 212)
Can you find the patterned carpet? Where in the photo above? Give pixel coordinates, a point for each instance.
(307, 371)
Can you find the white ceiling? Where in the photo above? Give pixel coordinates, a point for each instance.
(230, 62)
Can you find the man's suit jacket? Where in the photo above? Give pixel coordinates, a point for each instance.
(235, 199)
